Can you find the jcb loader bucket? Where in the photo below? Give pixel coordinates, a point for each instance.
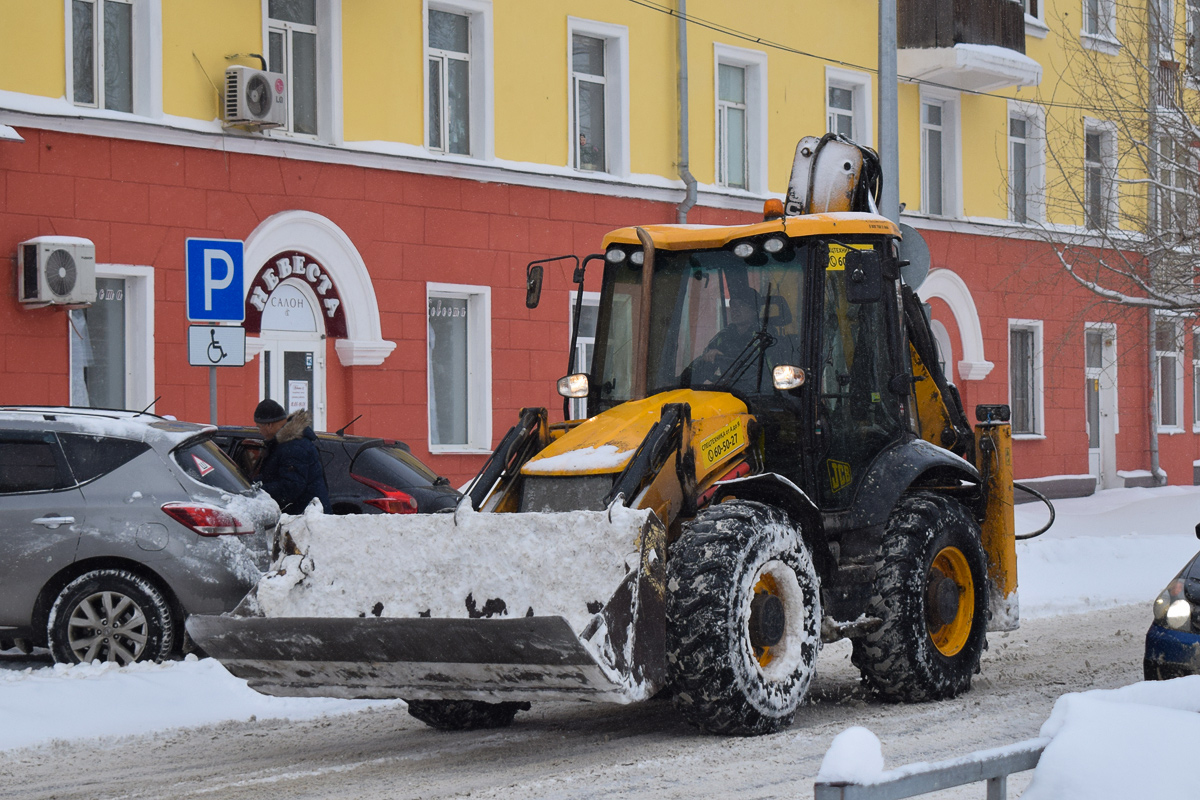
(474, 606)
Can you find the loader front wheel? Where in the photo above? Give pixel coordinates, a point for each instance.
(931, 593)
(464, 715)
(743, 619)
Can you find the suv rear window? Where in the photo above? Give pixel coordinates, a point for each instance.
(392, 466)
(203, 461)
(93, 456)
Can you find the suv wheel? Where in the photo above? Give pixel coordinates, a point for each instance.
(110, 615)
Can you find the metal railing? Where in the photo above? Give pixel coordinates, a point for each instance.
(993, 766)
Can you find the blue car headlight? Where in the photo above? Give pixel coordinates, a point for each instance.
(1172, 609)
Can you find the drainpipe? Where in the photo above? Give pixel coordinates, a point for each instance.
(1152, 204)
(689, 181)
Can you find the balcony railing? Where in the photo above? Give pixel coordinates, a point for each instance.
(1168, 84)
(945, 23)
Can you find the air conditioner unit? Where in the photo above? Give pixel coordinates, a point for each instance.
(56, 270)
(254, 99)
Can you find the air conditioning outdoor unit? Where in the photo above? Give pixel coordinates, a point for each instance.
(56, 270)
(254, 99)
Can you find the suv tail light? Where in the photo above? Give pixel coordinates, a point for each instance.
(207, 520)
(393, 501)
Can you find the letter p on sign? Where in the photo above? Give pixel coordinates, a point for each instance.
(215, 280)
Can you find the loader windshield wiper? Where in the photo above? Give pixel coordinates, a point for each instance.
(753, 354)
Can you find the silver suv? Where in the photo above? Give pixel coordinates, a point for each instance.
(114, 526)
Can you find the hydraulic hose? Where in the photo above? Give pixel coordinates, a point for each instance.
(1045, 500)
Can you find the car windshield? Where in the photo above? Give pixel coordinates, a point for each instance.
(393, 466)
(203, 461)
(716, 321)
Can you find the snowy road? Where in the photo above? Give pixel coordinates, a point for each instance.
(571, 751)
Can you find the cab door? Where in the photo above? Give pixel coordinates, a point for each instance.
(41, 515)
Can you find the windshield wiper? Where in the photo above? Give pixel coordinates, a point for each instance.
(757, 347)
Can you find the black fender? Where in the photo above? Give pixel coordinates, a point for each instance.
(896, 469)
(774, 490)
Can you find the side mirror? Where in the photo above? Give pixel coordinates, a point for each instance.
(864, 276)
(533, 285)
(575, 385)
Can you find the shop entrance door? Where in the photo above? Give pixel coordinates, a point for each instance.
(293, 354)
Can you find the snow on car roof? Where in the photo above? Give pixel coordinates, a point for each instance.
(105, 422)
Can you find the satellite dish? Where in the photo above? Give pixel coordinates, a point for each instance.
(913, 250)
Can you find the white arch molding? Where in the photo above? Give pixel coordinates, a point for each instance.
(947, 286)
(319, 237)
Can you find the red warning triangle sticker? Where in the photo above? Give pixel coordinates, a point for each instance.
(202, 465)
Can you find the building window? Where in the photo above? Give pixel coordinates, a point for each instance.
(112, 343)
(102, 53)
(460, 375)
(1165, 11)
(741, 103)
(1033, 8)
(1098, 185)
(1177, 170)
(731, 126)
(1025, 376)
(1018, 169)
(599, 95)
(585, 342)
(848, 104)
(292, 50)
(1167, 346)
(1099, 18)
(449, 82)
(939, 155)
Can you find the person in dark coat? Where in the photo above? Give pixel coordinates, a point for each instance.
(290, 469)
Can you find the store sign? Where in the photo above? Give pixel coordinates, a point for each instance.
(293, 267)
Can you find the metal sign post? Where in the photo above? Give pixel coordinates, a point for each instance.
(215, 293)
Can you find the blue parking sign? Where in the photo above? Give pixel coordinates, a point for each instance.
(215, 291)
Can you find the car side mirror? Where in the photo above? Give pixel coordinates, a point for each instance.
(864, 276)
(533, 285)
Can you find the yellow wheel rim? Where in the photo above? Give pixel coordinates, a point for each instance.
(766, 584)
(950, 601)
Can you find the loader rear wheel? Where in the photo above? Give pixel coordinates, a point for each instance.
(464, 715)
(743, 619)
(931, 593)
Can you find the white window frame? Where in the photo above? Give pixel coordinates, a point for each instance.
(862, 92)
(1035, 15)
(139, 332)
(616, 92)
(1038, 401)
(951, 127)
(1035, 160)
(1191, 53)
(482, 102)
(1104, 38)
(1166, 44)
(479, 367)
(1173, 425)
(1109, 198)
(147, 61)
(578, 405)
(329, 71)
(754, 62)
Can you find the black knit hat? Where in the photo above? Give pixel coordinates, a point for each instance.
(268, 411)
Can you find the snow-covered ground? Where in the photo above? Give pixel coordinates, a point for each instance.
(1115, 548)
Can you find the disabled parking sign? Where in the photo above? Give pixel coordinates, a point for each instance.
(215, 290)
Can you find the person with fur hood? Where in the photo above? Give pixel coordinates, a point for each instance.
(290, 469)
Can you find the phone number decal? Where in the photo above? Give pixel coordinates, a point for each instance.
(720, 444)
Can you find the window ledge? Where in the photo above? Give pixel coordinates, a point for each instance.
(1035, 27)
(1169, 430)
(1104, 44)
(1031, 437)
(457, 450)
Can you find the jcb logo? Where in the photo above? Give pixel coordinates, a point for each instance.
(839, 475)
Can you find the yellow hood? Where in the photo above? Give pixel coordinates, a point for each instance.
(606, 442)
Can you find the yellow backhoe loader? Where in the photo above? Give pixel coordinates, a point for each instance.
(771, 458)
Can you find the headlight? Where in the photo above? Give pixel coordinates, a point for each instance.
(615, 255)
(637, 258)
(774, 245)
(1172, 609)
(743, 249)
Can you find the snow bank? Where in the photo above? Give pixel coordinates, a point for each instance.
(412, 565)
(1137, 741)
(93, 700)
